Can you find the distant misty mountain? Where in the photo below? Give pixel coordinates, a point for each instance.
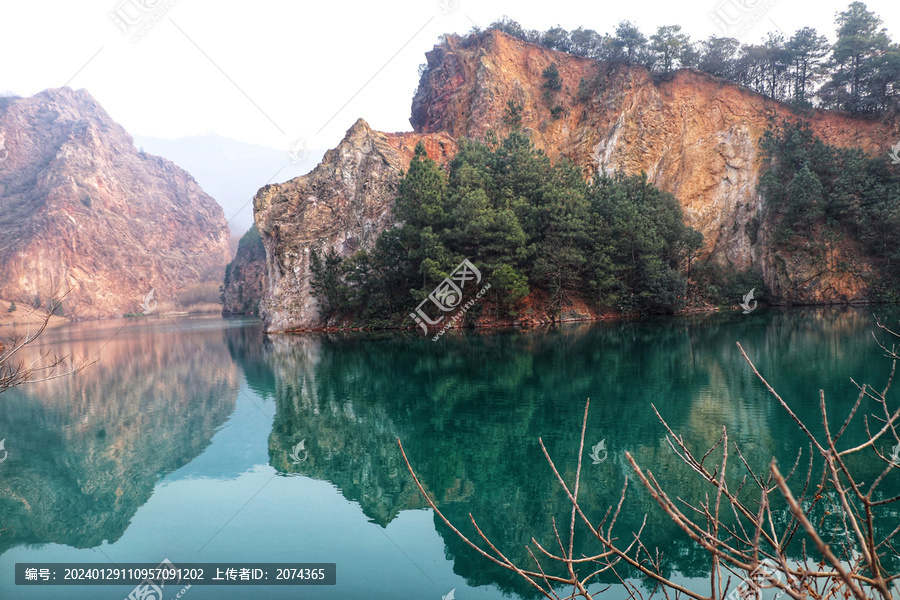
(229, 170)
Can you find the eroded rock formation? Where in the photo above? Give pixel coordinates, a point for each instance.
(82, 209)
(245, 277)
(343, 204)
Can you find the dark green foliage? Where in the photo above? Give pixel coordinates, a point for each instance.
(511, 285)
(586, 42)
(244, 294)
(86, 200)
(806, 50)
(526, 224)
(556, 38)
(819, 195)
(668, 45)
(559, 239)
(639, 265)
(557, 111)
(584, 91)
(629, 45)
(12, 307)
(725, 287)
(423, 208)
(718, 56)
(806, 200)
(512, 116)
(552, 82)
(251, 239)
(250, 247)
(860, 57)
(326, 280)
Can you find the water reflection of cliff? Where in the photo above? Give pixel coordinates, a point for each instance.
(85, 452)
(470, 412)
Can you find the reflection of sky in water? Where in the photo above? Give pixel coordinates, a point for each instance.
(463, 406)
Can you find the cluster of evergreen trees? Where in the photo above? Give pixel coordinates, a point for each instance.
(527, 224)
(818, 195)
(860, 72)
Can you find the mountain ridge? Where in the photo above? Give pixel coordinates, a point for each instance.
(84, 214)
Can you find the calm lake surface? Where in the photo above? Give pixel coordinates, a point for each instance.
(178, 443)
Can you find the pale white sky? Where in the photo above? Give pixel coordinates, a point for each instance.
(272, 71)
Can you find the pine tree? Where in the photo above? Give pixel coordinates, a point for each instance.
(807, 50)
(806, 200)
(422, 206)
(326, 282)
(668, 43)
(860, 42)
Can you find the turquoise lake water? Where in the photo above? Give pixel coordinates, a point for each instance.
(183, 442)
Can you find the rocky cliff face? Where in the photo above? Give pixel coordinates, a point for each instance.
(245, 277)
(692, 134)
(81, 209)
(343, 204)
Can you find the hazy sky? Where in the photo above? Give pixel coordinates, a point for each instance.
(271, 72)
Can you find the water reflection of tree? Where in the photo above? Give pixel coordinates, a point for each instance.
(470, 412)
(852, 553)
